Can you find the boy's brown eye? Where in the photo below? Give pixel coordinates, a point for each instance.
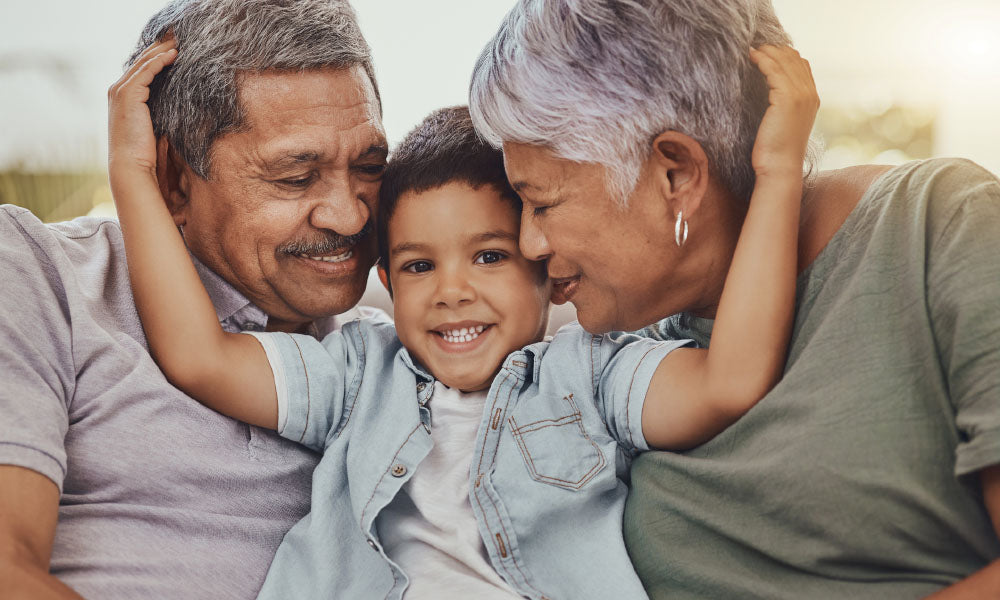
(490, 257)
(418, 266)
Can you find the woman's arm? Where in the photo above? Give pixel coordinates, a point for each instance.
(226, 372)
(984, 583)
(695, 394)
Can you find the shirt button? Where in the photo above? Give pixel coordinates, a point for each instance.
(421, 386)
(373, 545)
(398, 470)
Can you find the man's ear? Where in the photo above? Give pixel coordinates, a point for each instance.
(173, 177)
(680, 171)
(383, 277)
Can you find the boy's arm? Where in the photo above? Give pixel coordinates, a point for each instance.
(695, 394)
(226, 372)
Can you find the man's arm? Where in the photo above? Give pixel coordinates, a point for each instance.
(29, 508)
(984, 583)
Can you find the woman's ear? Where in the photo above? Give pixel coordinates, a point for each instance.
(173, 177)
(679, 167)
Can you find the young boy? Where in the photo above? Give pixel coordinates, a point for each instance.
(462, 455)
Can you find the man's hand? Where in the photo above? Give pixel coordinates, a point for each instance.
(131, 143)
(784, 132)
(29, 508)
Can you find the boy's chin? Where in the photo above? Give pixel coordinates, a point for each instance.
(467, 382)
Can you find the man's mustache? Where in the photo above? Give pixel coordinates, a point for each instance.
(331, 242)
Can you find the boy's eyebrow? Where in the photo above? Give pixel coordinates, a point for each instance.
(496, 234)
(408, 247)
(478, 238)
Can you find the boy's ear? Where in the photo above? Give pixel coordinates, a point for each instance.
(383, 277)
(173, 177)
(679, 167)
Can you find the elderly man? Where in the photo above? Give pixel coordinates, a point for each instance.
(114, 484)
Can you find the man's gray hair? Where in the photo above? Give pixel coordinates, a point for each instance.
(196, 100)
(596, 81)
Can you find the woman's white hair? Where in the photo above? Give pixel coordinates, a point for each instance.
(596, 81)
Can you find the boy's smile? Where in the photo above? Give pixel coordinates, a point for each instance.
(463, 295)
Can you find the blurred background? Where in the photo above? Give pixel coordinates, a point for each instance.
(899, 79)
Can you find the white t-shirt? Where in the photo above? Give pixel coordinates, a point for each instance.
(429, 529)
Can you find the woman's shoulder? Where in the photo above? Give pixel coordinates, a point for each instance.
(828, 201)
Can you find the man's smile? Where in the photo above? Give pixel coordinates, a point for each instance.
(333, 257)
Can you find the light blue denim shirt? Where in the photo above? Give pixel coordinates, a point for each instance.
(561, 422)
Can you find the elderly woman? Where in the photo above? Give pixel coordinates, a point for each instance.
(871, 470)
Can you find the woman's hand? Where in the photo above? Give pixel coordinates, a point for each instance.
(131, 142)
(784, 132)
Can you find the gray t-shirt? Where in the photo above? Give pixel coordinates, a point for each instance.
(161, 497)
(854, 477)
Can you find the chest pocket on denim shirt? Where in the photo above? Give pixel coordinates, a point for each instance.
(554, 444)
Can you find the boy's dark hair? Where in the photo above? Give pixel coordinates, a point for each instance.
(442, 149)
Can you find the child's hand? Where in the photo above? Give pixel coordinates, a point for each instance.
(784, 132)
(131, 143)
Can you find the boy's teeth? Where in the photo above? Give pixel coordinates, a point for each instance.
(465, 334)
(331, 259)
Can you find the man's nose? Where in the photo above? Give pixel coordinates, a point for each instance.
(534, 245)
(340, 209)
(454, 288)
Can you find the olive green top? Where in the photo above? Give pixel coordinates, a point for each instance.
(851, 479)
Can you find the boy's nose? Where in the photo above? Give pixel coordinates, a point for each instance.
(454, 289)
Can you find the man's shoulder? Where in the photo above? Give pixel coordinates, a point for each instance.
(23, 232)
(77, 267)
(78, 228)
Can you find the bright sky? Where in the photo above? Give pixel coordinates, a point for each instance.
(57, 58)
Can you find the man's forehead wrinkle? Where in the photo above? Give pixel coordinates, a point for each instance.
(285, 99)
(288, 148)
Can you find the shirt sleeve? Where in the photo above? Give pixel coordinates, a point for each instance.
(963, 297)
(35, 352)
(312, 379)
(627, 365)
